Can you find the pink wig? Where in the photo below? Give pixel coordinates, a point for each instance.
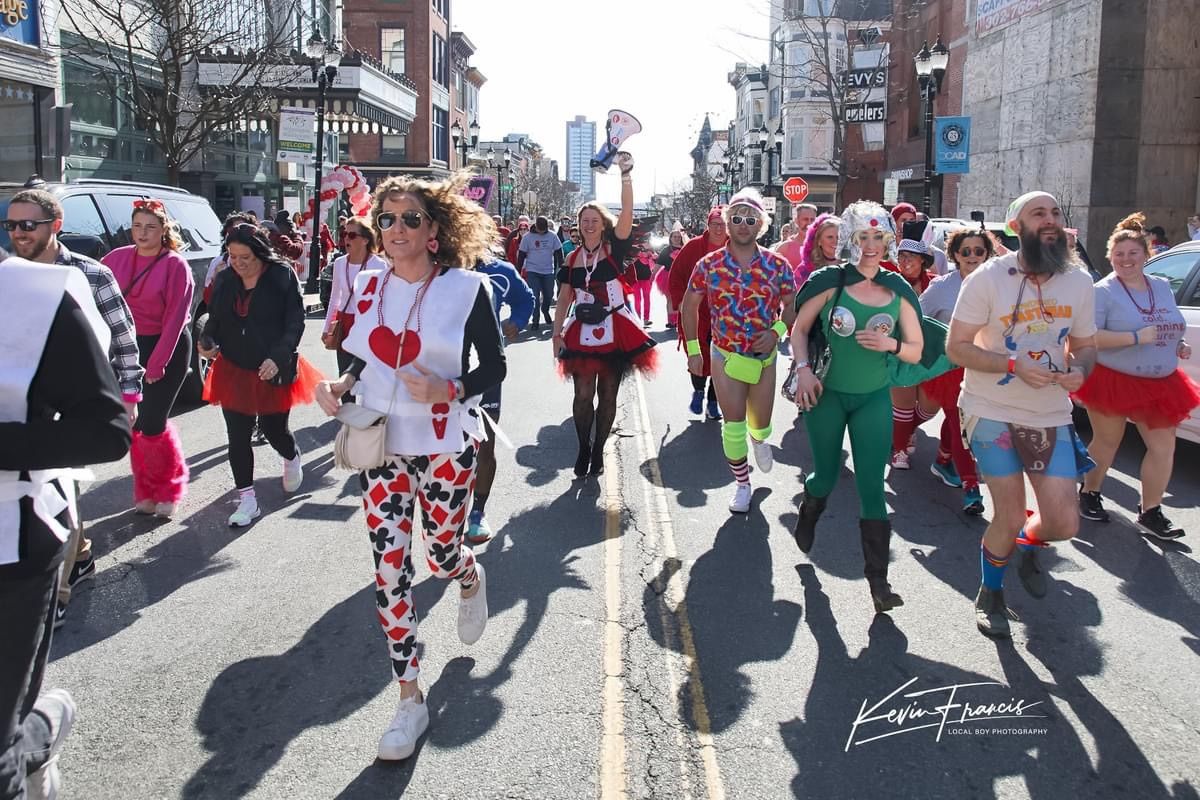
(806, 266)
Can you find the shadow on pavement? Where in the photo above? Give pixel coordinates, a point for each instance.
(692, 463)
(553, 452)
(734, 615)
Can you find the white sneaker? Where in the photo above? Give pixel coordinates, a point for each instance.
(740, 504)
(247, 512)
(400, 739)
(144, 507)
(763, 459)
(473, 611)
(293, 473)
(164, 510)
(58, 707)
(900, 460)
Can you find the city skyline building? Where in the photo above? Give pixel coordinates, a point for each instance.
(581, 146)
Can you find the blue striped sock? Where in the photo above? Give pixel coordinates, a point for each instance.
(992, 566)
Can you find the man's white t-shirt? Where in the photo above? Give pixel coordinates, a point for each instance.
(1040, 330)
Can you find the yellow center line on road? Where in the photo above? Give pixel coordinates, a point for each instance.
(612, 769)
(677, 624)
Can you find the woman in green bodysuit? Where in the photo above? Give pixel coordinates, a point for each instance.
(867, 313)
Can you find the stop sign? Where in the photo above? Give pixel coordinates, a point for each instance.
(795, 190)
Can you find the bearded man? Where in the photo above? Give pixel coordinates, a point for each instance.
(1024, 328)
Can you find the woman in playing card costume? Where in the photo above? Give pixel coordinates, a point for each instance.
(255, 321)
(416, 326)
(600, 340)
(872, 323)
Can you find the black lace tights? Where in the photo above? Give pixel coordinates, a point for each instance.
(602, 391)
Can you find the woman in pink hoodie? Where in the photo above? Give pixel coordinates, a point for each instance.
(157, 284)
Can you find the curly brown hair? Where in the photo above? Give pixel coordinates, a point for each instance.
(465, 231)
(1130, 229)
(955, 239)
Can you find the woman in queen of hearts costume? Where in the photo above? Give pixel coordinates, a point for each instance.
(424, 315)
(599, 340)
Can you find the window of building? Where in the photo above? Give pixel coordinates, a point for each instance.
(776, 93)
(459, 91)
(442, 7)
(819, 8)
(90, 94)
(439, 61)
(391, 47)
(756, 120)
(441, 122)
(394, 147)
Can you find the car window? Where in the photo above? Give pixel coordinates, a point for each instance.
(199, 226)
(1176, 267)
(81, 217)
(119, 211)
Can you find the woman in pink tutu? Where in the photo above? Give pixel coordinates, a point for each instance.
(255, 322)
(1137, 376)
(157, 284)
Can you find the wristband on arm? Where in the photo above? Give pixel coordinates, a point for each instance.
(780, 328)
(692, 346)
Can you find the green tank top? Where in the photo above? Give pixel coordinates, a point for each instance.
(856, 370)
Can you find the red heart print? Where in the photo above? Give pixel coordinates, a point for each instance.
(364, 306)
(394, 558)
(385, 344)
(400, 485)
(368, 290)
(445, 472)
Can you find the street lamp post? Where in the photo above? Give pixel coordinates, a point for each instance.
(502, 171)
(931, 68)
(461, 144)
(324, 60)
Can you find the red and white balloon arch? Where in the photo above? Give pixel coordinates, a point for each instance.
(343, 179)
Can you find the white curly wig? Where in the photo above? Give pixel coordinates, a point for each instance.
(749, 198)
(859, 217)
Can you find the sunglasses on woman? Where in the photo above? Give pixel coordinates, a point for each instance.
(27, 225)
(411, 219)
(738, 219)
(352, 235)
(978, 252)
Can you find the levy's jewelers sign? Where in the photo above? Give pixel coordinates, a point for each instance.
(992, 15)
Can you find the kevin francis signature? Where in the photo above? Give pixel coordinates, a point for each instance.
(898, 713)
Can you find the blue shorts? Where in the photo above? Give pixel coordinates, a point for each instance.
(1001, 449)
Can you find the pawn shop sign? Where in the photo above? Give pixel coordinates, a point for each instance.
(795, 190)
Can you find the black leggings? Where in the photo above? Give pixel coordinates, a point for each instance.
(241, 454)
(698, 385)
(602, 388)
(158, 398)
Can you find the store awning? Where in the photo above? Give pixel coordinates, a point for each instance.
(364, 97)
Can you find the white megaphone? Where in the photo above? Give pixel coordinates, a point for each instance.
(619, 126)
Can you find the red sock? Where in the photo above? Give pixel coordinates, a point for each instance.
(904, 422)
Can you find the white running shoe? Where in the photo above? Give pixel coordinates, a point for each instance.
(247, 512)
(144, 507)
(400, 739)
(59, 709)
(164, 510)
(473, 611)
(293, 473)
(900, 460)
(740, 504)
(763, 459)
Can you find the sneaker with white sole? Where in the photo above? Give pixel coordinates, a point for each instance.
(410, 721)
(144, 507)
(293, 473)
(473, 610)
(740, 504)
(247, 512)
(164, 510)
(763, 458)
(58, 708)
(900, 460)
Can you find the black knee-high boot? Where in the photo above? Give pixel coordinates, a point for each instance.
(805, 532)
(876, 542)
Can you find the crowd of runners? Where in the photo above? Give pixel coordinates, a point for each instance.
(885, 328)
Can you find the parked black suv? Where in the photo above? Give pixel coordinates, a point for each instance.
(96, 216)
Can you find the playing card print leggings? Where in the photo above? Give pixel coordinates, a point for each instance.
(443, 485)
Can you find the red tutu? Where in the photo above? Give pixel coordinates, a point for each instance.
(1154, 402)
(630, 349)
(242, 391)
(944, 389)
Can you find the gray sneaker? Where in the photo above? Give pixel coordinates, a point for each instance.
(991, 614)
(58, 708)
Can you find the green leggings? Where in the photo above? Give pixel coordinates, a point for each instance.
(869, 417)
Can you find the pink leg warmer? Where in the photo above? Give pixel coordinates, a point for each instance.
(164, 471)
(137, 457)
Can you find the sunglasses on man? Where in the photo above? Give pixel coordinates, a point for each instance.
(738, 219)
(411, 219)
(27, 225)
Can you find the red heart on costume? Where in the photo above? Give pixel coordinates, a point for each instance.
(385, 344)
(400, 485)
(364, 306)
(394, 558)
(445, 472)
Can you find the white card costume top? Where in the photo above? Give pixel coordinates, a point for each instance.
(35, 292)
(415, 429)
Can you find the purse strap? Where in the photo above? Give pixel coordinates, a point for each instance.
(836, 297)
(416, 306)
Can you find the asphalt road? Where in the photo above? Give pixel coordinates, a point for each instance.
(643, 642)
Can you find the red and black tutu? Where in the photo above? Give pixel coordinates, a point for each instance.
(630, 349)
(243, 392)
(1155, 402)
(945, 388)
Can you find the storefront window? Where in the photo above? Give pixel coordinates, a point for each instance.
(16, 131)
